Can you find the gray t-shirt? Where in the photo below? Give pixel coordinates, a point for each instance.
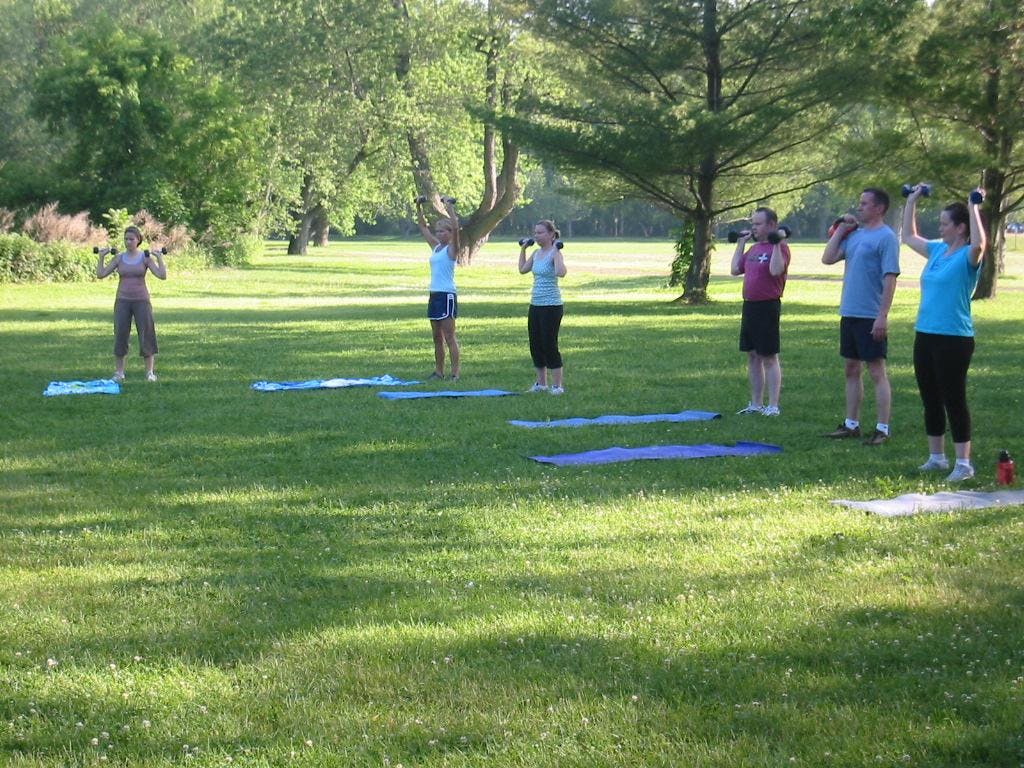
(870, 255)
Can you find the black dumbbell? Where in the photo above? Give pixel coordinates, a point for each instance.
(976, 197)
(420, 200)
(96, 249)
(782, 233)
(559, 244)
(448, 200)
(907, 189)
(734, 236)
(525, 242)
(161, 251)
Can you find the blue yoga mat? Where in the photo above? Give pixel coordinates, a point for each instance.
(376, 381)
(645, 418)
(94, 387)
(617, 454)
(464, 393)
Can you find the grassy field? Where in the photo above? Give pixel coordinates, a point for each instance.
(193, 573)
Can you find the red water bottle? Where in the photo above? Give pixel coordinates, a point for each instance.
(1004, 469)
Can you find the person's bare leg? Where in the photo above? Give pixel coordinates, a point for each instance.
(883, 392)
(448, 329)
(773, 378)
(755, 375)
(436, 329)
(854, 389)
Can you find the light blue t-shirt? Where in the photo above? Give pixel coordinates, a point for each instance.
(442, 270)
(947, 284)
(870, 255)
(545, 281)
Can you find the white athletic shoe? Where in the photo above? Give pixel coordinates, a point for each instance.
(118, 377)
(538, 387)
(150, 376)
(934, 465)
(770, 410)
(751, 408)
(960, 473)
(556, 391)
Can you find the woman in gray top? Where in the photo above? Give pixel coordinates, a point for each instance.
(132, 298)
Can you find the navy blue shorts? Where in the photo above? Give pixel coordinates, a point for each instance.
(855, 342)
(441, 305)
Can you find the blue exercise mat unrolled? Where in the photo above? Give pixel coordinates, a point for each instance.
(452, 393)
(616, 454)
(94, 387)
(645, 418)
(376, 381)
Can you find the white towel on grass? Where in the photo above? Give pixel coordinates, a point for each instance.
(946, 501)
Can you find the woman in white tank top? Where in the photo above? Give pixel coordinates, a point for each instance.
(442, 306)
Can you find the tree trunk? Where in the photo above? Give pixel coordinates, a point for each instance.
(303, 218)
(994, 220)
(321, 228)
(695, 291)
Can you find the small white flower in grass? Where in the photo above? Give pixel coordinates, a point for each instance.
(585, 720)
(104, 735)
(634, 698)
(136, 658)
(125, 728)
(79, 724)
(94, 741)
(308, 742)
(113, 667)
(202, 708)
(50, 663)
(145, 723)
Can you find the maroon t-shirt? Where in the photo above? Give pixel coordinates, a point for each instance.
(758, 282)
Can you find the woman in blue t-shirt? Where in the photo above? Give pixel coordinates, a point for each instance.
(545, 315)
(443, 303)
(944, 342)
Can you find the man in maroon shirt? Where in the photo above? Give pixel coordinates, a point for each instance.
(763, 267)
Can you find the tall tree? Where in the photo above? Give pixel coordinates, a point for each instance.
(965, 87)
(145, 128)
(322, 76)
(706, 107)
(478, 74)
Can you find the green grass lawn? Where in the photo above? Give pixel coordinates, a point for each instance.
(193, 573)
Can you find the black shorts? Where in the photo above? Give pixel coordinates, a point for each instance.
(759, 327)
(441, 305)
(855, 342)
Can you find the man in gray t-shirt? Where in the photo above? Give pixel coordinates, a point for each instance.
(871, 251)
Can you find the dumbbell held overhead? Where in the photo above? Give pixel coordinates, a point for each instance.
(976, 197)
(907, 189)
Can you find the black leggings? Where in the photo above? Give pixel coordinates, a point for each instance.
(940, 365)
(543, 324)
